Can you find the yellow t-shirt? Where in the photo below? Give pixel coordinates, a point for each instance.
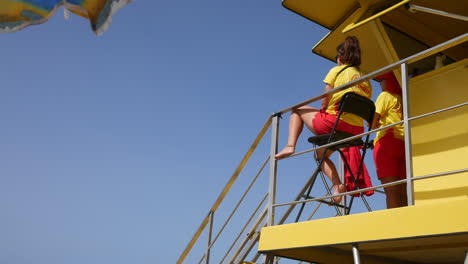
(335, 80)
(389, 107)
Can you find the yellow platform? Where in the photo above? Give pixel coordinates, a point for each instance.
(432, 233)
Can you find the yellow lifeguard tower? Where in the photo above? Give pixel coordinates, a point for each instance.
(425, 43)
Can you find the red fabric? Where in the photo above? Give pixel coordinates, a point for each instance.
(389, 157)
(353, 156)
(323, 123)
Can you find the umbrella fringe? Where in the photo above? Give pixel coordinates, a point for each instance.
(99, 26)
(105, 18)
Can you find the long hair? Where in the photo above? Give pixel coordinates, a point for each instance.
(349, 51)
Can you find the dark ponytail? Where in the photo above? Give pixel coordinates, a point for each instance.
(349, 51)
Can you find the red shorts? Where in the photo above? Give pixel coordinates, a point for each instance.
(323, 123)
(389, 157)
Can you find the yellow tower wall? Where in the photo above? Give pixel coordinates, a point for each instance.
(440, 142)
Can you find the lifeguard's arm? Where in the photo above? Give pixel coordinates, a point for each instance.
(375, 122)
(381, 107)
(326, 100)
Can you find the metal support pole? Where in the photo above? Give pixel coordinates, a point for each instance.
(414, 8)
(273, 165)
(408, 150)
(356, 258)
(210, 233)
(268, 259)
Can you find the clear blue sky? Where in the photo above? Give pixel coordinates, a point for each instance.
(113, 148)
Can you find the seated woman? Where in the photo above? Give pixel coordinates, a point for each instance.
(321, 121)
(389, 150)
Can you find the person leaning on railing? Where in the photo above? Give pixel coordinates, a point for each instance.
(389, 150)
(321, 121)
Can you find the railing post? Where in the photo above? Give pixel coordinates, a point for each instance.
(273, 165)
(210, 233)
(408, 150)
(341, 175)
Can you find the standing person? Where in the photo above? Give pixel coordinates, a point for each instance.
(321, 121)
(389, 150)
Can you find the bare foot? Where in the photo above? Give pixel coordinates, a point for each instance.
(288, 150)
(337, 189)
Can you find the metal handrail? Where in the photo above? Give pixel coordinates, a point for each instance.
(373, 187)
(261, 218)
(375, 130)
(225, 190)
(431, 51)
(246, 251)
(237, 207)
(243, 229)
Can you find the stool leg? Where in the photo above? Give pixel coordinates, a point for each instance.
(314, 177)
(329, 192)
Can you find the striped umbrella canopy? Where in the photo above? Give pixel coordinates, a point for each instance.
(17, 14)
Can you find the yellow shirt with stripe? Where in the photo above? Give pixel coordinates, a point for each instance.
(334, 79)
(389, 107)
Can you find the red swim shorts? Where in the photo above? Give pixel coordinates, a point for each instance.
(389, 157)
(323, 123)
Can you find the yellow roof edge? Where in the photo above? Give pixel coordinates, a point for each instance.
(282, 3)
(341, 20)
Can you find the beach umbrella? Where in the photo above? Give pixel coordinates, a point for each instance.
(17, 14)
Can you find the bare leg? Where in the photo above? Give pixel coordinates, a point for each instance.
(299, 117)
(396, 194)
(403, 195)
(328, 167)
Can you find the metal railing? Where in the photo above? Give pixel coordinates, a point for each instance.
(267, 215)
